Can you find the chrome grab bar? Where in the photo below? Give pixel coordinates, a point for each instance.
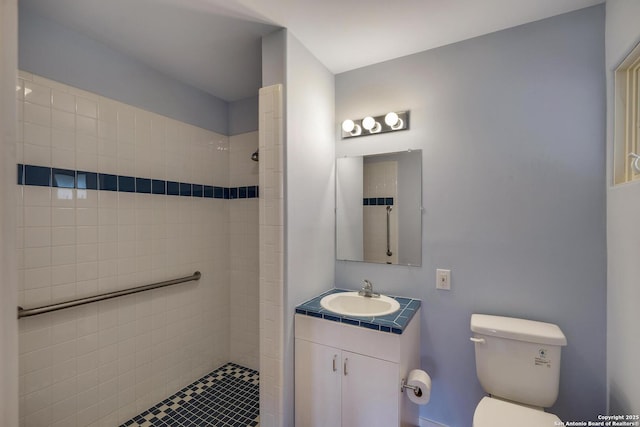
(389, 253)
(81, 301)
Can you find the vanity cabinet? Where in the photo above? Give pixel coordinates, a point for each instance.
(336, 387)
(350, 376)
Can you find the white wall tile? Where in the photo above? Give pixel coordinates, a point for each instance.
(64, 292)
(64, 371)
(64, 159)
(37, 114)
(35, 278)
(36, 380)
(36, 154)
(37, 257)
(63, 255)
(63, 198)
(39, 94)
(87, 234)
(35, 340)
(35, 237)
(86, 143)
(37, 217)
(88, 162)
(63, 390)
(63, 101)
(87, 416)
(80, 242)
(63, 120)
(87, 107)
(86, 126)
(63, 274)
(37, 134)
(126, 117)
(271, 256)
(63, 217)
(107, 110)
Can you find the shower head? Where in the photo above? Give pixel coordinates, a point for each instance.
(255, 156)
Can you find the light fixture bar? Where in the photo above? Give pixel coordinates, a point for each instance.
(373, 125)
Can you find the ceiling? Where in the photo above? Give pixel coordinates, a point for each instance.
(214, 45)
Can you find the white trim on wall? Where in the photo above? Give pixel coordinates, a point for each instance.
(428, 423)
(8, 263)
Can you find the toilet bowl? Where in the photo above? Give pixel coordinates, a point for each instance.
(493, 412)
(518, 365)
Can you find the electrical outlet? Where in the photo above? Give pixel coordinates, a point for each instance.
(443, 279)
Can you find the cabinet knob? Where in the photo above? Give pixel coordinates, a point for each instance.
(345, 366)
(335, 356)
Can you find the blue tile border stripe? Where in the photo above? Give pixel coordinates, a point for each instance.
(86, 180)
(37, 175)
(43, 176)
(378, 201)
(394, 323)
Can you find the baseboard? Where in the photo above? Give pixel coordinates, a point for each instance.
(428, 423)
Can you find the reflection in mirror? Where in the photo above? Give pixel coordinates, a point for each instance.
(379, 208)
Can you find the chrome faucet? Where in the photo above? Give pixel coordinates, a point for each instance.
(367, 290)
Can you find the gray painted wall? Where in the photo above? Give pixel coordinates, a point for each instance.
(243, 116)
(309, 183)
(512, 128)
(50, 50)
(623, 234)
(309, 192)
(274, 58)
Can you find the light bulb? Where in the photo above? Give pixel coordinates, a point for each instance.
(391, 119)
(348, 125)
(370, 124)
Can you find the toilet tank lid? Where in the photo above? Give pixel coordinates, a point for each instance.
(518, 329)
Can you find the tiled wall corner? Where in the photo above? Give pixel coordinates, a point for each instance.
(244, 347)
(271, 255)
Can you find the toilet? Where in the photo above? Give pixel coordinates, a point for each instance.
(518, 365)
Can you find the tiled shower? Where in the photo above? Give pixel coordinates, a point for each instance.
(380, 215)
(78, 235)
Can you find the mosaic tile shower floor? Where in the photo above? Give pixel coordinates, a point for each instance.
(227, 397)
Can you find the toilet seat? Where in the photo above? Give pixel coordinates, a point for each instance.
(498, 413)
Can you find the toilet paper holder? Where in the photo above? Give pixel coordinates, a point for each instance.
(416, 390)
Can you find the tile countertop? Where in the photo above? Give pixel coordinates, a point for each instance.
(393, 323)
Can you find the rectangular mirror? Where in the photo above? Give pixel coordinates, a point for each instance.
(379, 208)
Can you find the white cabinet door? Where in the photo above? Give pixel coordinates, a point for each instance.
(318, 373)
(370, 389)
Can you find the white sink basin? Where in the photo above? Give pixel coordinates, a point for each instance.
(352, 304)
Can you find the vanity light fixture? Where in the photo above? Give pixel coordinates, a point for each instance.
(371, 125)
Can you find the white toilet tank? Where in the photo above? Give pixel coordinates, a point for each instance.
(518, 359)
